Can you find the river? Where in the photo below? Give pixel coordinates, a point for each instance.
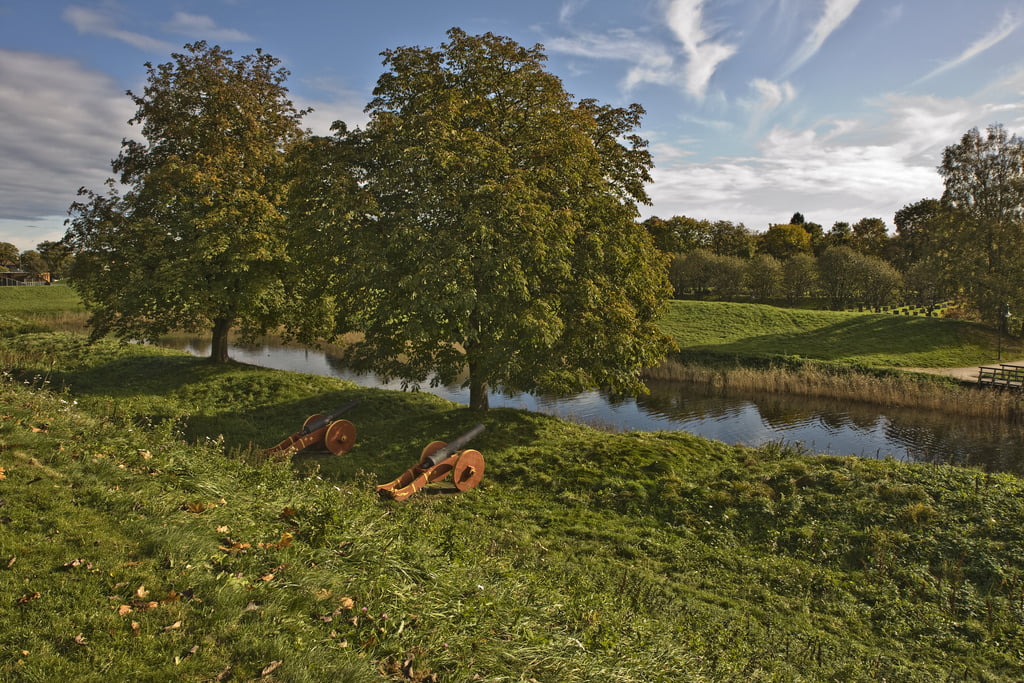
(830, 427)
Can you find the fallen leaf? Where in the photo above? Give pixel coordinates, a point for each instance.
(2, 473)
(12, 561)
(29, 597)
(77, 562)
(267, 577)
(270, 668)
(195, 508)
(141, 592)
(235, 547)
(135, 627)
(347, 603)
(80, 639)
(124, 609)
(146, 455)
(223, 530)
(284, 542)
(175, 625)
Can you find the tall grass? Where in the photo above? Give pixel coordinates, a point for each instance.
(888, 389)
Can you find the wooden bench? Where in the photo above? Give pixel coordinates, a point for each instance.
(1004, 376)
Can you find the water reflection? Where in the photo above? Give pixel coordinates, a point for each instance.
(822, 426)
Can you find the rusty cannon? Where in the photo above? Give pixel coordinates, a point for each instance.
(325, 431)
(437, 461)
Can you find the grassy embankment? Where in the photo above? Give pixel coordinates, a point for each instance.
(849, 356)
(144, 539)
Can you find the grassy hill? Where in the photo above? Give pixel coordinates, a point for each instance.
(873, 339)
(146, 537)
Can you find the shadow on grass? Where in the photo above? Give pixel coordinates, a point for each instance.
(249, 409)
(857, 337)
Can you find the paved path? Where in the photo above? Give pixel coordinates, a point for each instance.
(969, 374)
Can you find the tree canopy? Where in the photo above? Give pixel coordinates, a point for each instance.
(505, 237)
(198, 240)
(984, 188)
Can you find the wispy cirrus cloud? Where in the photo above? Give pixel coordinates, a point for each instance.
(651, 62)
(689, 62)
(95, 22)
(686, 20)
(1008, 24)
(104, 23)
(833, 16)
(199, 26)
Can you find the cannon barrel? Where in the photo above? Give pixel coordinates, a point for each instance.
(454, 447)
(322, 422)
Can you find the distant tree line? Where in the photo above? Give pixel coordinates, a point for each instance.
(963, 246)
(53, 257)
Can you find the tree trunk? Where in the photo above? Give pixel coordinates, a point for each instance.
(219, 346)
(477, 389)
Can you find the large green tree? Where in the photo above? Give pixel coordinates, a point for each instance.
(984, 187)
(56, 257)
(507, 238)
(870, 236)
(679, 234)
(8, 253)
(198, 239)
(784, 241)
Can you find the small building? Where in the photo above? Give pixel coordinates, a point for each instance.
(14, 277)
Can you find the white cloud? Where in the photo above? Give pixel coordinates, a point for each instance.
(62, 126)
(652, 61)
(203, 27)
(326, 113)
(769, 95)
(88, 21)
(569, 9)
(686, 20)
(835, 13)
(842, 170)
(1008, 24)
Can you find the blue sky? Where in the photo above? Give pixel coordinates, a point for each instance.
(756, 109)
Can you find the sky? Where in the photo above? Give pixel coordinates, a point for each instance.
(756, 109)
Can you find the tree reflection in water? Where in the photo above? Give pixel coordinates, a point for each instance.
(821, 426)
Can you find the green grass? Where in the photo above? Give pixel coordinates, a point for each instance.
(145, 537)
(871, 339)
(25, 309)
(39, 300)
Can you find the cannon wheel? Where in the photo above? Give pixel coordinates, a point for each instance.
(309, 419)
(469, 470)
(340, 436)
